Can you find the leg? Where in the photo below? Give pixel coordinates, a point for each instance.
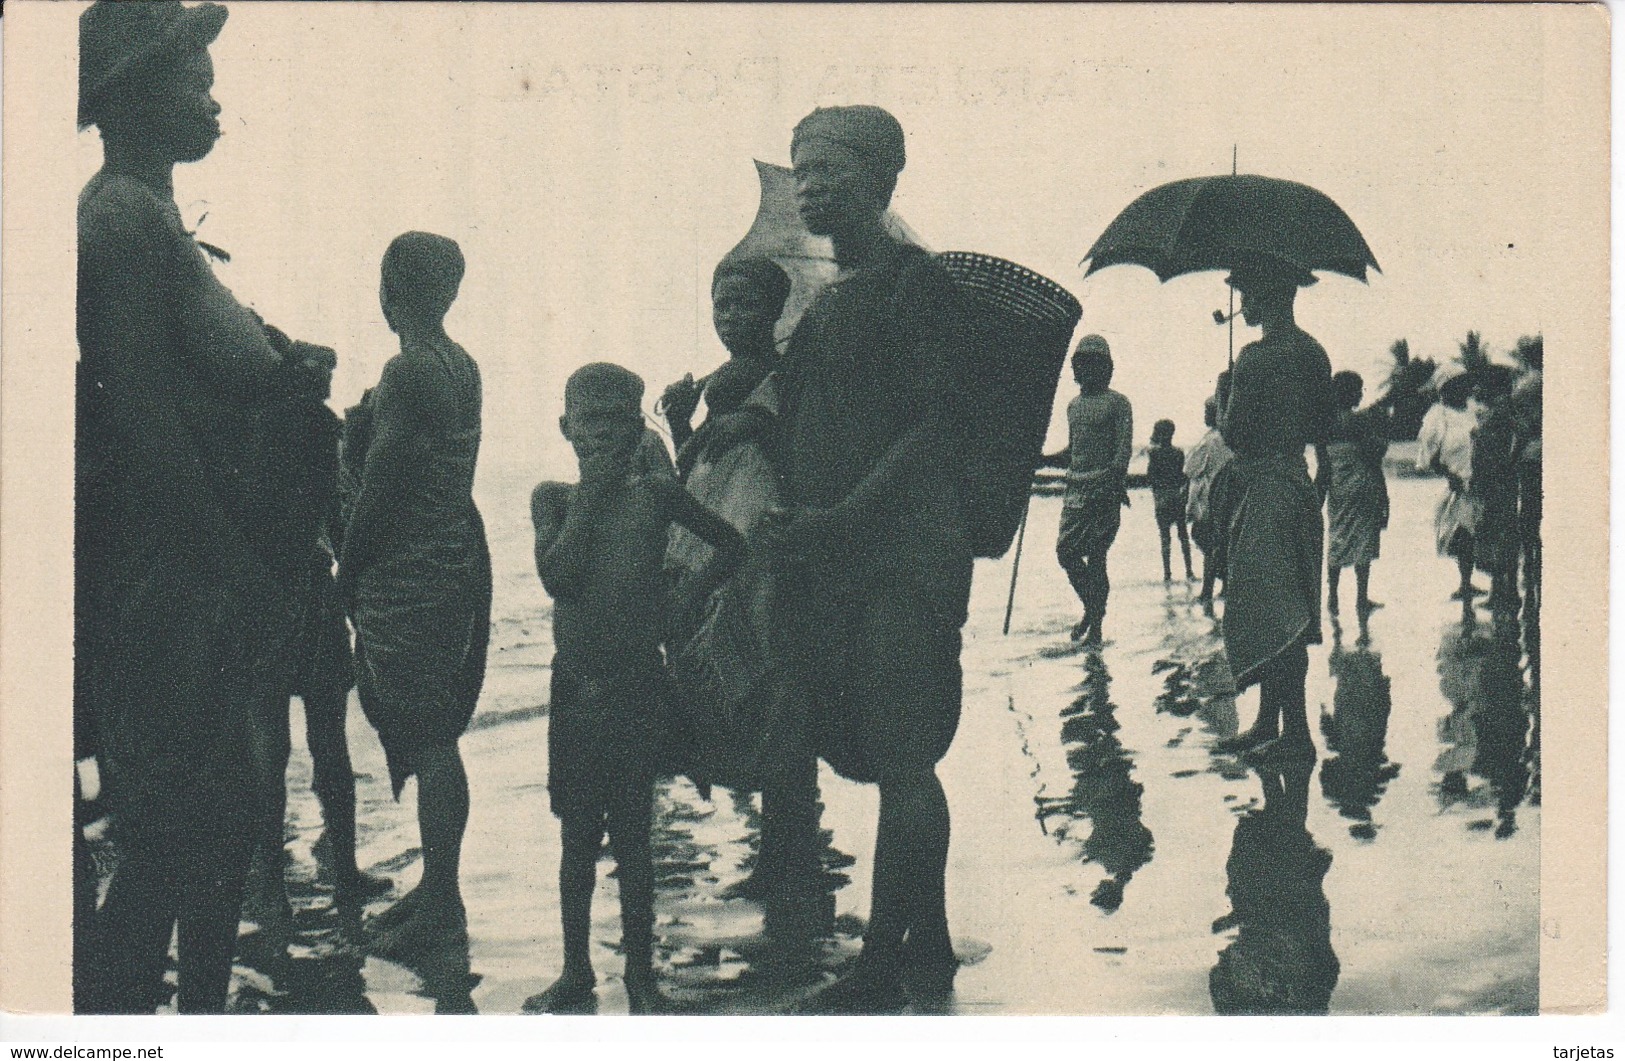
(1334, 575)
(582, 839)
(1210, 571)
(208, 927)
(133, 927)
(333, 781)
(1282, 695)
(629, 838)
(1362, 584)
(1097, 583)
(1185, 547)
(271, 749)
(1162, 534)
(433, 915)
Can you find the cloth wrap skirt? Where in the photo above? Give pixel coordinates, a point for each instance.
(423, 624)
(1273, 563)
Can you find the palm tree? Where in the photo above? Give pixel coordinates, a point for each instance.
(1402, 391)
(1475, 357)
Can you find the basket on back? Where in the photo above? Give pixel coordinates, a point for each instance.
(1022, 325)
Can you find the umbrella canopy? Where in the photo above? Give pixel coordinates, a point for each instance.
(778, 233)
(1227, 221)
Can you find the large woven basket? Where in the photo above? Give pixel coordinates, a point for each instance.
(1021, 325)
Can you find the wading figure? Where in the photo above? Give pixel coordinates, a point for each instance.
(187, 511)
(1100, 425)
(1202, 467)
(1444, 445)
(418, 576)
(1170, 492)
(874, 556)
(600, 547)
(1348, 469)
(1280, 403)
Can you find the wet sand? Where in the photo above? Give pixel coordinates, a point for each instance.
(1104, 858)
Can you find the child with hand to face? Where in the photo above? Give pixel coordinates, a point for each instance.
(600, 545)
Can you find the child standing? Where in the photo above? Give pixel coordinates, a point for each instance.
(1202, 467)
(1169, 489)
(599, 551)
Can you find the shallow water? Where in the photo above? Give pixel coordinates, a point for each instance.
(1104, 859)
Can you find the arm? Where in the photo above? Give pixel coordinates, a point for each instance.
(728, 543)
(549, 508)
(1323, 471)
(400, 410)
(563, 560)
(1125, 439)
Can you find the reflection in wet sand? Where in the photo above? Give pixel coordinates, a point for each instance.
(1487, 734)
(1281, 959)
(1357, 772)
(1104, 791)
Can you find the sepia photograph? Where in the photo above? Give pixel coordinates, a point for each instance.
(815, 510)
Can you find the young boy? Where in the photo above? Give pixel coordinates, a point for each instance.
(599, 551)
(1202, 467)
(1169, 492)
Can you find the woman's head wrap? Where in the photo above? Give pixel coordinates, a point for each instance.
(765, 273)
(869, 132)
(423, 272)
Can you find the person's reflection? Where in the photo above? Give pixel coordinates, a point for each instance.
(1354, 777)
(1103, 789)
(1281, 960)
(1487, 732)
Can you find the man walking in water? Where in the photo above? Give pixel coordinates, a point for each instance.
(416, 570)
(874, 558)
(1100, 424)
(1280, 403)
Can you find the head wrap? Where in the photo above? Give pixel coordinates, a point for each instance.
(765, 273)
(602, 388)
(1450, 370)
(120, 40)
(867, 131)
(424, 271)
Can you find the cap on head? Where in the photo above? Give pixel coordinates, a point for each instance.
(422, 272)
(601, 389)
(1163, 429)
(764, 273)
(118, 40)
(869, 132)
(1092, 363)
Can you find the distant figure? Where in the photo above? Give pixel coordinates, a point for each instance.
(417, 574)
(1349, 475)
(190, 462)
(1100, 426)
(1497, 545)
(1202, 467)
(600, 547)
(1280, 403)
(1445, 447)
(1170, 493)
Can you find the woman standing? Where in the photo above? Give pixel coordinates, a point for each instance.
(1349, 470)
(187, 519)
(1445, 447)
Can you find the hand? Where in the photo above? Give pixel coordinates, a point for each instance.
(679, 400)
(1455, 482)
(799, 535)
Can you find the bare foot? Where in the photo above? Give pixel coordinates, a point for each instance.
(435, 926)
(571, 993)
(354, 889)
(643, 998)
(396, 915)
(1282, 751)
(1246, 739)
(1368, 605)
(861, 992)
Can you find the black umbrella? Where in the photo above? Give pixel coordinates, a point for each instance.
(1227, 221)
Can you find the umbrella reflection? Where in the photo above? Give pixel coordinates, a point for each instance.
(1281, 959)
(1487, 733)
(1354, 778)
(1104, 791)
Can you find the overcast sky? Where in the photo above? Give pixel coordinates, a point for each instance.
(594, 163)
